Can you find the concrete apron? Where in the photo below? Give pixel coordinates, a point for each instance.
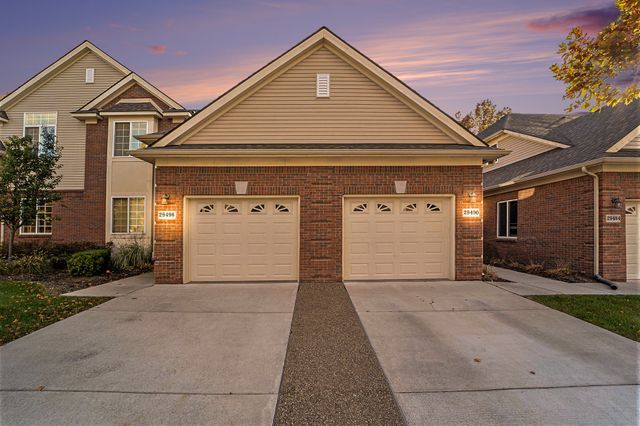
(471, 353)
(193, 354)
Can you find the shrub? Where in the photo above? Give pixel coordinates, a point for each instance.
(35, 263)
(88, 263)
(130, 256)
(58, 253)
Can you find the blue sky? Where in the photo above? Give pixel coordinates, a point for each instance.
(452, 52)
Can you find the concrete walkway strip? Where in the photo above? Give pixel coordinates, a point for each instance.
(116, 288)
(331, 373)
(529, 284)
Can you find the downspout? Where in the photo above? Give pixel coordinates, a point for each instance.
(596, 230)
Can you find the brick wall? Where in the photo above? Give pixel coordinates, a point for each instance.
(555, 224)
(320, 190)
(613, 248)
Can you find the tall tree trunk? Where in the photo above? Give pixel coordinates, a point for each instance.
(12, 237)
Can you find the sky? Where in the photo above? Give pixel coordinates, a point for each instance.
(455, 53)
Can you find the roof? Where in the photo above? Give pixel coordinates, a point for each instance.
(69, 57)
(131, 107)
(328, 146)
(324, 35)
(590, 136)
(538, 125)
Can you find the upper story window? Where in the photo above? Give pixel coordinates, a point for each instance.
(35, 123)
(508, 219)
(124, 137)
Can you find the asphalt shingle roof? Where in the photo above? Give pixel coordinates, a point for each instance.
(589, 135)
(538, 125)
(131, 107)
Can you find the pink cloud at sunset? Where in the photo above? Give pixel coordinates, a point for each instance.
(590, 20)
(158, 49)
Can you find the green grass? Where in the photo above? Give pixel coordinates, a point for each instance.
(620, 314)
(26, 307)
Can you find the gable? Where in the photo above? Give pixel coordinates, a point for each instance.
(633, 143)
(286, 110)
(520, 149)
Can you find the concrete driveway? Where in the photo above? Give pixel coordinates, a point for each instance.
(193, 354)
(472, 353)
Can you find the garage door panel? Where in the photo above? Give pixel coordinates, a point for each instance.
(242, 240)
(410, 239)
(632, 212)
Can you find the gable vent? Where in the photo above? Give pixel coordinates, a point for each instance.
(322, 85)
(89, 74)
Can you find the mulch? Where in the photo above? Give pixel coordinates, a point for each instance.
(60, 282)
(331, 373)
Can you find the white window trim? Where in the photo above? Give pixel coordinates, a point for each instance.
(36, 225)
(144, 211)
(498, 220)
(113, 138)
(24, 124)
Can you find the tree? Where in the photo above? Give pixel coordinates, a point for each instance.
(602, 70)
(28, 178)
(484, 115)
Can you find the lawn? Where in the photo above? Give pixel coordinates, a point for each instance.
(26, 307)
(620, 314)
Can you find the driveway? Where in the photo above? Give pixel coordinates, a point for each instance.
(472, 353)
(190, 354)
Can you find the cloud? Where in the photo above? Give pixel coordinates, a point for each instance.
(180, 53)
(590, 20)
(158, 49)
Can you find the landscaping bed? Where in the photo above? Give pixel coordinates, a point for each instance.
(617, 313)
(27, 306)
(560, 273)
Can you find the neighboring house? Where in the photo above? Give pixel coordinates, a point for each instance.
(96, 107)
(321, 166)
(539, 200)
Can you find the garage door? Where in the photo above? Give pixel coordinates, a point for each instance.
(241, 239)
(633, 240)
(397, 238)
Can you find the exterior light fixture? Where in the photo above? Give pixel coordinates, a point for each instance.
(241, 188)
(472, 196)
(401, 186)
(165, 199)
(616, 202)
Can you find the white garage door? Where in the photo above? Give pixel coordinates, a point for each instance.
(241, 239)
(633, 240)
(397, 238)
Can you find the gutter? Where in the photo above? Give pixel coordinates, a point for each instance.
(596, 230)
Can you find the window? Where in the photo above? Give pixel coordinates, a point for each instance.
(127, 215)
(508, 219)
(42, 223)
(124, 137)
(37, 123)
(89, 74)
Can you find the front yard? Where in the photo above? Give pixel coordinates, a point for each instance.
(620, 314)
(27, 306)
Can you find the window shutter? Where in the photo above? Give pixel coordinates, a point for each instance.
(322, 85)
(89, 74)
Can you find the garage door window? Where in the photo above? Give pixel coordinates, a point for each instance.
(208, 209)
(360, 208)
(410, 208)
(383, 208)
(231, 208)
(631, 211)
(282, 209)
(433, 208)
(508, 219)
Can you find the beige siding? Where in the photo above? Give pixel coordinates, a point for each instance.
(286, 110)
(520, 149)
(633, 143)
(64, 93)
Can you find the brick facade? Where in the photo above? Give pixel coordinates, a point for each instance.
(80, 215)
(320, 190)
(555, 224)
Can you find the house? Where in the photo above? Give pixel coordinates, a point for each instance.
(319, 167)
(568, 194)
(96, 107)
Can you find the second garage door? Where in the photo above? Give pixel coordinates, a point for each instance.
(242, 239)
(633, 240)
(397, 238)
